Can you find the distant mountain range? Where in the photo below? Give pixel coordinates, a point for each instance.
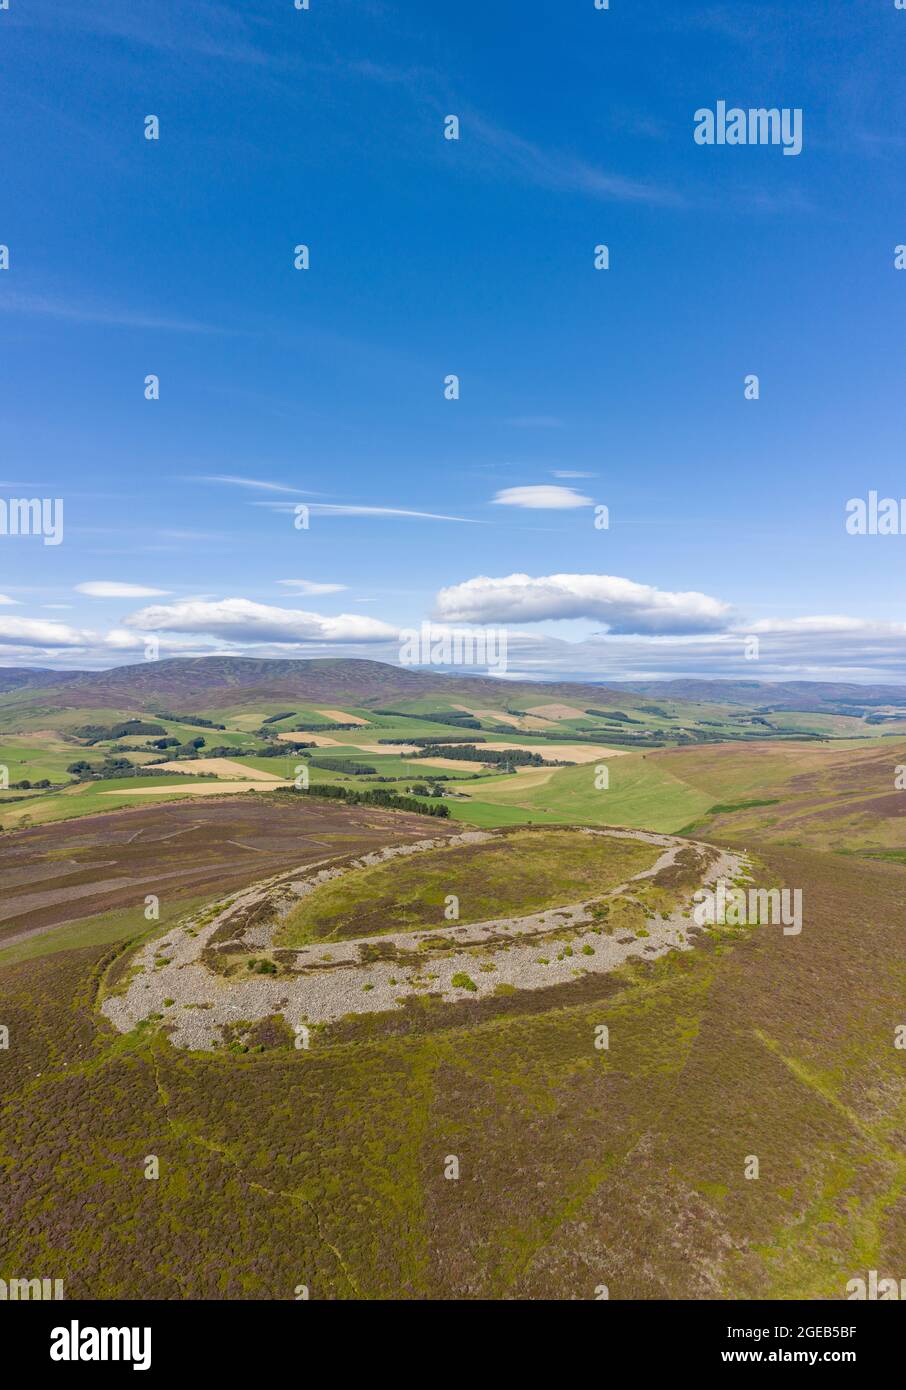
(183, 684)
(827, 696)
(18, 677)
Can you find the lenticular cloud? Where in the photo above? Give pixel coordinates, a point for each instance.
(621, 604)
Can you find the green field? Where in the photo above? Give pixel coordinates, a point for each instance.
(90, 798)
(385, 765)
(34, 759)
(641, 794)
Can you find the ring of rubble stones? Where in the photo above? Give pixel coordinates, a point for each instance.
(180, 979)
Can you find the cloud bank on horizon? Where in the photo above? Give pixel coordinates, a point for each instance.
(626, 630)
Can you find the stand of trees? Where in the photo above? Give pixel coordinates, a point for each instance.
(134, 728)
(313, 728)
(282, 749)
(462, 720)
(192, 719)
(378, 797)
(343, 765)
(614, 714)
(432, 742)
(509, 757)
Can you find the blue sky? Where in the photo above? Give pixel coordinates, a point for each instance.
(621, 387)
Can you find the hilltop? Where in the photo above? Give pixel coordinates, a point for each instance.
(33, 678)
(830, 697)
(220, 680)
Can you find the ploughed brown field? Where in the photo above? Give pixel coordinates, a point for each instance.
(60, 873)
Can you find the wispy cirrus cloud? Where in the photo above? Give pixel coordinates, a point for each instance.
(559, 170)
(31, 305)
(206, 28)
(257, 484)
(350, 509)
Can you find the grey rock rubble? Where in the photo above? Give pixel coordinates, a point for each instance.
(329, 980)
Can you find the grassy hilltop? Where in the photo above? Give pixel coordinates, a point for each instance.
(578, 1166)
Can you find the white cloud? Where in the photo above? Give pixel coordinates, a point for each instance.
(121, 640)
(311, 587)
(859, 656)
(826, 623)
(572, 473)
(41, 632)
(815, 648)
(101, 588)
(542, 497)
(5, 599)
(623, 605)
(241, 620)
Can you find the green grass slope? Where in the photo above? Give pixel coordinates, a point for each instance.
(641, 793)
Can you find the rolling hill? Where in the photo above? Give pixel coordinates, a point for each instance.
(33, 678)
(832, 697)
(184, 682)
(190, 682)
